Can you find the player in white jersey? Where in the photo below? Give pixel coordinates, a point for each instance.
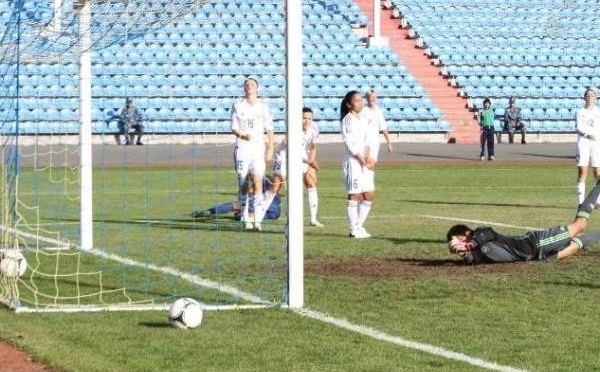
(588, 145)
(250, 120)
(358, 163)
(310, 166)
(377, 118)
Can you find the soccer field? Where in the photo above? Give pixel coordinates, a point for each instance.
(401, 283)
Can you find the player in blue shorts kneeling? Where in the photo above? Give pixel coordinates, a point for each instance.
(484, 245)
(272, 213)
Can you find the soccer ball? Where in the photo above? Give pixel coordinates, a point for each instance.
(185, 313)
(12, 265)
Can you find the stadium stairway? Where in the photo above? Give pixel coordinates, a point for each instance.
(454, 108)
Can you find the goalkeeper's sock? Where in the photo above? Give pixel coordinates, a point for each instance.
(580, 191)
(587, 239)
(589, 203)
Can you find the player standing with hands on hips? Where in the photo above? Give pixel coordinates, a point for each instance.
(358, 164)
(588, 148)
(250, 119)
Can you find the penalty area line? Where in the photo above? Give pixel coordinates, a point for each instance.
(423, 347)
(490, 223)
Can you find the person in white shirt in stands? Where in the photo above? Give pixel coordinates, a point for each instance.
(250, 119)
(310, 131)
(358, 164)
(588, 146)
(377, 118)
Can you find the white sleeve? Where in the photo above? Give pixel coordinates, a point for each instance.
(350, 138)
(268, 118)
(382, 123)
(581, 125)
(235, 119)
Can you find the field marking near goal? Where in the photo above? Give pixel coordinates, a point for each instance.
(194, 279)
(419, 346)
(490, 223)
(312, 314)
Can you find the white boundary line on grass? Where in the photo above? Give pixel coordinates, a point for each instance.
(312, 314)
(490, 223)
(194, 279)
(426, 348)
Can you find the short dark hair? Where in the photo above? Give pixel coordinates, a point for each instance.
(457, 230)
(488, 101)
(253, 79)
(307, 109)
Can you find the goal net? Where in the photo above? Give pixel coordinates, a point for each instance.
(95, 216)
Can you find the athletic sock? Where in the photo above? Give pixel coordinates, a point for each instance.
(259, 211)
(244, 206)
(581, 191)
(363, 211)
(313, 203)
(352, 211)
(266, 204)
(589, 203)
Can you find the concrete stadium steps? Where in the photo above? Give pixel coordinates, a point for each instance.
(454, 108)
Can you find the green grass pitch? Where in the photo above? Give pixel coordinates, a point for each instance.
(534, 316)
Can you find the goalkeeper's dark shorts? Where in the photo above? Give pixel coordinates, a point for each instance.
(551, 241)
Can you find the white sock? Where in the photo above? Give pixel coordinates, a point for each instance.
(259, 211)
(352, 210)
(363, 211)
(581, 191)
(244, 206)
(266, 204)
(313, 203)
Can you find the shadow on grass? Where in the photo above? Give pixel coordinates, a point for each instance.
(573, 284)
(550, 156)
(516, 205)
(449, 157)
(164, 324)
(431, 262)
(207, 224)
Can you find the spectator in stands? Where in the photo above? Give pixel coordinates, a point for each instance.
(513, 122)
(130, 123)
(588, 135)
(376, 117)
(486, 122)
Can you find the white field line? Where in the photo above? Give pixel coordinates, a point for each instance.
(481, 222)
(323, 317)
(194, 279)
(426, 348)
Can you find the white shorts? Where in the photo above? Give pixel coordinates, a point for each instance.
(248, 160)
(588, 150)
(358, 179)
(280, 165)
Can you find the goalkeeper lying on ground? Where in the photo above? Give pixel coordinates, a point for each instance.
(484, 245)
